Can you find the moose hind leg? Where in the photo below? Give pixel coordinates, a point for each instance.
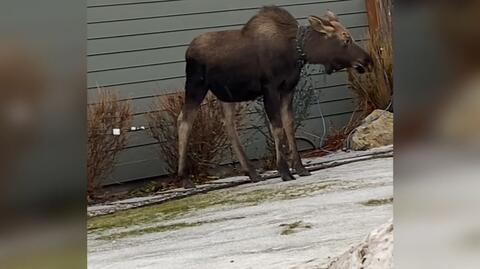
(230, 127)
(272, 108)
(289, 126)
(185, 123)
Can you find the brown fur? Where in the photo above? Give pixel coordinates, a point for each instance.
(271, 21)
(272, 27)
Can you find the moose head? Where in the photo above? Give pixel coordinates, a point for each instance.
(329, 43)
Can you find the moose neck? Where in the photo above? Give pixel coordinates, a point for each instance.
(311, 47)
(300, 45)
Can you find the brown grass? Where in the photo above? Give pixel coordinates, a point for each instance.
(103, 146)
(208, 143)
(374, 90)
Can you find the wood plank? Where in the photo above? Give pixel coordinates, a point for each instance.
(181, 8)
(206, 21)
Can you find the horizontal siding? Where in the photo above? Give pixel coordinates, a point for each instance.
(154, 9)
(136, 48)
(232, 16)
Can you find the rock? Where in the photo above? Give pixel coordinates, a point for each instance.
(375, 252)
(375, 131)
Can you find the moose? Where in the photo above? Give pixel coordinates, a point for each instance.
(263, 59)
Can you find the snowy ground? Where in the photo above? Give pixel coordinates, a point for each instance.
(271, 224)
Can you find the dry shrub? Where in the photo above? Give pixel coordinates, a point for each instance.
(103, 146)
(208, 142)
(374, 89)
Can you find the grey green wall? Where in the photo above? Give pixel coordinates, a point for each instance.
(136, 48)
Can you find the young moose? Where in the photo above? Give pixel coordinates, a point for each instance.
(264, 58)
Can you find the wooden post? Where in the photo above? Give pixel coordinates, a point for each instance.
(372, 15)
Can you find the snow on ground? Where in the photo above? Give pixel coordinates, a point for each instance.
(297, 224)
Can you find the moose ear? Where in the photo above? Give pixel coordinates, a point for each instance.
(331, 16)
(321, 25)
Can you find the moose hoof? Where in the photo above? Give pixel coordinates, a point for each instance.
(188, 184)
(287, 177)
(303, 172)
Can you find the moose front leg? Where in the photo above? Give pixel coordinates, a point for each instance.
(272, 108)
(288, 122)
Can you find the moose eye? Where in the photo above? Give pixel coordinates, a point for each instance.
(347, 38)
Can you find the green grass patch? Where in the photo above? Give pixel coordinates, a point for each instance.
(175, 208)
(160, 228)
(155, 229)
(294, 227)
(378, 202)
